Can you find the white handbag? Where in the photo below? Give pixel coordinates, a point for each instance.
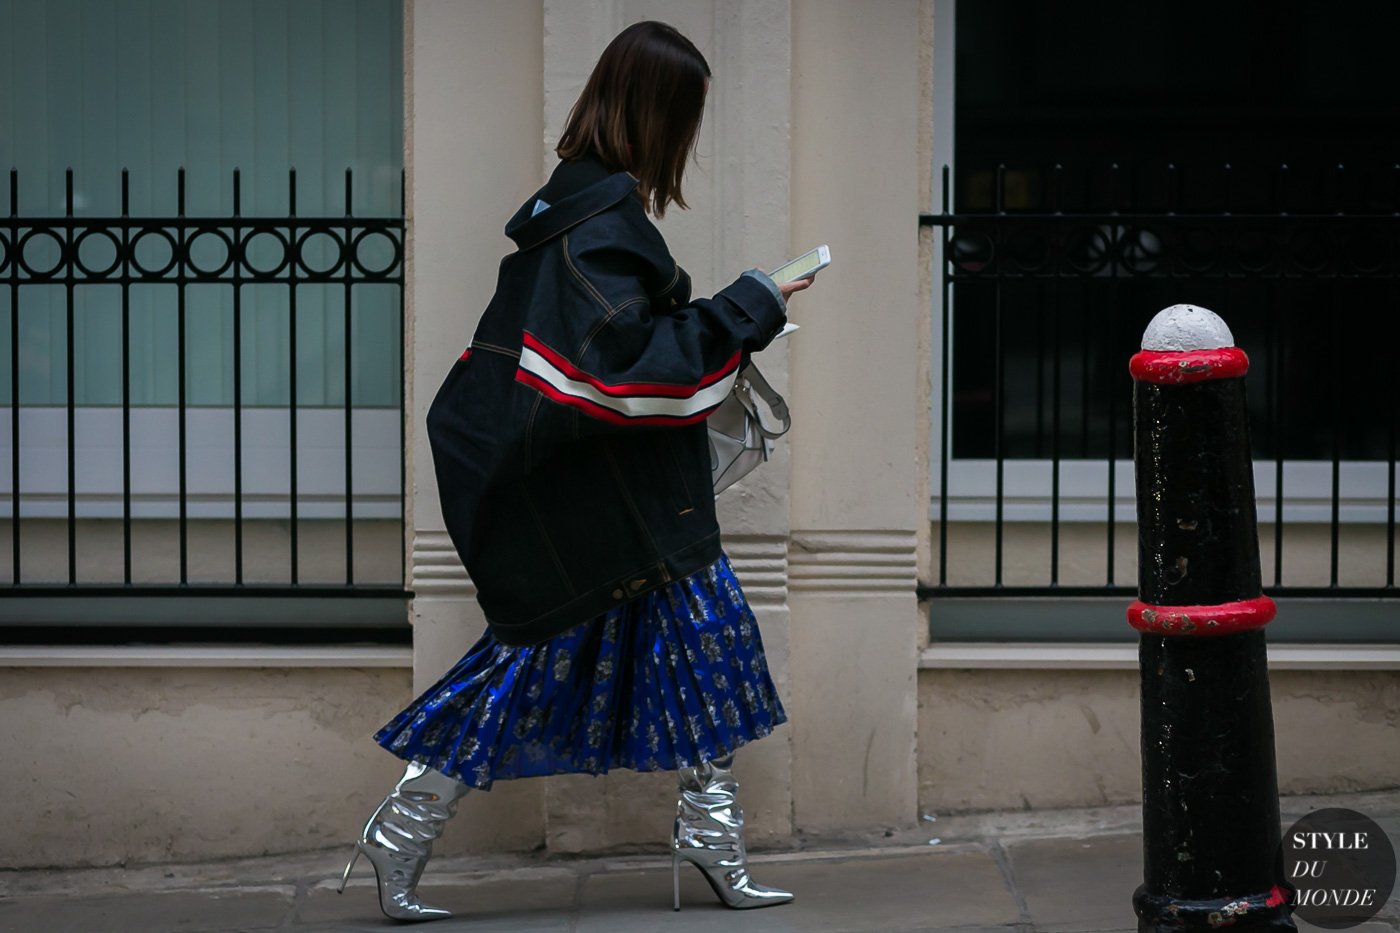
(741, 437)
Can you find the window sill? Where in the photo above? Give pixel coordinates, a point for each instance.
(1103, 656)
(226, 656)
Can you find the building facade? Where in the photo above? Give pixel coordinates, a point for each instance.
(822, 126)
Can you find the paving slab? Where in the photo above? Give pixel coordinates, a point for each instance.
(193, 911)
(536, 899)
(1073, 885)
(933, 890)
(1023, 872)
(1004, 928)
(267, 870)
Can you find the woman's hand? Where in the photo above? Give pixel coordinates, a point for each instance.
(796, 285)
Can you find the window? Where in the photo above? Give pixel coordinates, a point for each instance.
(184, 468)
(1111, 163)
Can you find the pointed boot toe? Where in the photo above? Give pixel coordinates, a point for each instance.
(709, 834)
(397, 841)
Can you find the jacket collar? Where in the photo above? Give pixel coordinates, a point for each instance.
(529, 231)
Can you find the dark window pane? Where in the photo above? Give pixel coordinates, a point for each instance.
(1187, 110)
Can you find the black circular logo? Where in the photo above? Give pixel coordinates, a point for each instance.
(1340, 865)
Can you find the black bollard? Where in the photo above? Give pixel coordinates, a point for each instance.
(1209, 785)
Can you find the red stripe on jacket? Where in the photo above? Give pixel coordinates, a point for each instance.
(654, 389)
(595, 410)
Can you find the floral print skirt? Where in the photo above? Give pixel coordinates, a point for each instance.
(667, 680)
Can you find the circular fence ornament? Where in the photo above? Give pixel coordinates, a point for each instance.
(40, 253)
(97, 253)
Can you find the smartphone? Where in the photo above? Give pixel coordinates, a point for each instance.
(804, 266)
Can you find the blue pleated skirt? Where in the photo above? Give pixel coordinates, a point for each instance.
(667, 680)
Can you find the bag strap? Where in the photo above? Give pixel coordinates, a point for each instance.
(772, 398)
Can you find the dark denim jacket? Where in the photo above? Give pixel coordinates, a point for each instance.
(569, 440)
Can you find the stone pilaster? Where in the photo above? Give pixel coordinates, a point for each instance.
(855, 505)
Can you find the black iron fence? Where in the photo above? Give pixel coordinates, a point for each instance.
(1043, 297)
(269, 473)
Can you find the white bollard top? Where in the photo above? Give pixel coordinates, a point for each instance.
(1186, 327)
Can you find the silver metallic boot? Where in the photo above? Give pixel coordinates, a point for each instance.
(398, 839)
(709, 833)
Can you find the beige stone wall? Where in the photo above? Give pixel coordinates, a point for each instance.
(106, 766)
(994, 739)
(991, 739)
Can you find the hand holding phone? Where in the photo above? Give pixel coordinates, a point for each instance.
(796, 285)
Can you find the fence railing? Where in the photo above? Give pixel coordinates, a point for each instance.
(243, 482)
(1041, 304)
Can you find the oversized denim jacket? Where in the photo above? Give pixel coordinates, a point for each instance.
(569, 439)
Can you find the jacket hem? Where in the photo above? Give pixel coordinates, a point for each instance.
(587, 606)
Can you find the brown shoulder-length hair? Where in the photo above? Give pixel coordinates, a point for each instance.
(640, 110)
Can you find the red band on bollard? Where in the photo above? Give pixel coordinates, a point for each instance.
(1222, 619)
(1173, 367)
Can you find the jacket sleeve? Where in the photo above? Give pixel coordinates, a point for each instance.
(648, 356)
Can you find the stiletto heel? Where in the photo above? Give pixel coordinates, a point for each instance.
(354, 857)
(709, 834)
(397, 841)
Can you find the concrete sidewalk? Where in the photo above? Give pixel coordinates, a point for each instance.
(1071, 870)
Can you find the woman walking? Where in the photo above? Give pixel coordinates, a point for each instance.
(573, 466)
